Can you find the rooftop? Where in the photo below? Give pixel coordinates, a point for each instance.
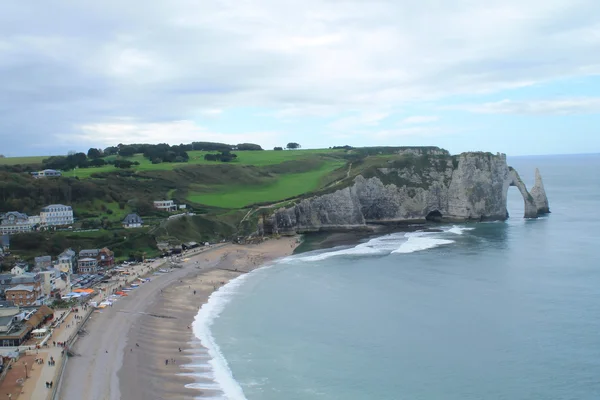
(21, 287)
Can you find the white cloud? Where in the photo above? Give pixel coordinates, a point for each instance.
(418, 131)
(360, 120)
(420, 119)
(314, 57)
(567, 106)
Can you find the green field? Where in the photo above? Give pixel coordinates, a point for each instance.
(256, 158)
(282, 187)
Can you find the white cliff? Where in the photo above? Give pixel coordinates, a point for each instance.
(467, 187)
(539, 194)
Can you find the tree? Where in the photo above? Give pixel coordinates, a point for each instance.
(292, 145)
(123, 164)
(277, 148)
(94, 153)
(248, 146)
(2, 156)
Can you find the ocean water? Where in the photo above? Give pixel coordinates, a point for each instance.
(504, 310)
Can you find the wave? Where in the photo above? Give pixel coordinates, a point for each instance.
(458, 230)
(223, 377)
(377, 246)
(419, 243)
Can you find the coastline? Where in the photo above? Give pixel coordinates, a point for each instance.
(156, 317)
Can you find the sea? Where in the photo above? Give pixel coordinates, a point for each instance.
(498, 310)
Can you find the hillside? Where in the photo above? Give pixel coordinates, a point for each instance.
(225, 196)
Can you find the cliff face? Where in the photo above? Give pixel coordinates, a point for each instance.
(471, 186)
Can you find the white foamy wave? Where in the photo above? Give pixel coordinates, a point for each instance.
(419, 242)
(458, 230)
(376, 246)
(223, 377)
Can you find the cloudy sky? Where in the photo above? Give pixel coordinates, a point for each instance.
(516, 76)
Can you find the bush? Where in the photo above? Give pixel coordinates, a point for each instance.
(277, 148)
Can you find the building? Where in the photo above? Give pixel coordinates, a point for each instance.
(46, 173)
(66, 261)
(89, 253)
(27, 278)
(132, 221)
(15, 222)
(18, 270)
(23, 295)
(57, 215)
(48, 279)
(106, 258)
(87, 265)
(35, 221)
(43, 262)
(13, 331)
(165, 205)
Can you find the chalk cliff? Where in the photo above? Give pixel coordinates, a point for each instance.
(539, 194)
(415, 187)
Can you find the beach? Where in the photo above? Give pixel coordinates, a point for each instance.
(124, 353)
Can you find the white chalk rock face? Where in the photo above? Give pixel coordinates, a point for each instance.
(539, 194)
(424, 186)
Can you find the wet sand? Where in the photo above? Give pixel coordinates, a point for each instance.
(156, 317)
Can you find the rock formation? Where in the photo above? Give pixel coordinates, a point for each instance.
(415, 187)
(539, 194)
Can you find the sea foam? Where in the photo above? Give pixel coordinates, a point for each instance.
(223, 377)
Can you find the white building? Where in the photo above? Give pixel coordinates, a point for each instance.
(57, 215)
(165, 205)
(17, 270)
(15, 222)
(66, 262)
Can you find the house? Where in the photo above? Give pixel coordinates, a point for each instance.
(46, 173)
(23, 295)
(106, 258)
(57, 215)
(43, 262)
(66, 261)
(27, 278)
(18, 270)
(132, 221)
(89, 253)
(15, 222)
(165, 205)
(87, 265)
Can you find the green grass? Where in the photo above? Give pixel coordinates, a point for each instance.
(282, 187)
(22, 160)
(256, 158)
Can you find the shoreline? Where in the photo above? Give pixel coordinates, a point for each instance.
(158, 317)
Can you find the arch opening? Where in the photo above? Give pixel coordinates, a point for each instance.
(434, 216)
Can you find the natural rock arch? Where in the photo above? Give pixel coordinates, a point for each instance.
(531, 209)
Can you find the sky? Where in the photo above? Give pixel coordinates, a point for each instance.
(520, 77)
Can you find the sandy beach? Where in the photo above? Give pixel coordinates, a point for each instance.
(123, 355)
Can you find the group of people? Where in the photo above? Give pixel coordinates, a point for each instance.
(49, 384)
(51, 362)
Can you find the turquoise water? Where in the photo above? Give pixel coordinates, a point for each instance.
(507, 310)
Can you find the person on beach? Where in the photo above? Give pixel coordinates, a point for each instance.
(180, 349)
(167, 362)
